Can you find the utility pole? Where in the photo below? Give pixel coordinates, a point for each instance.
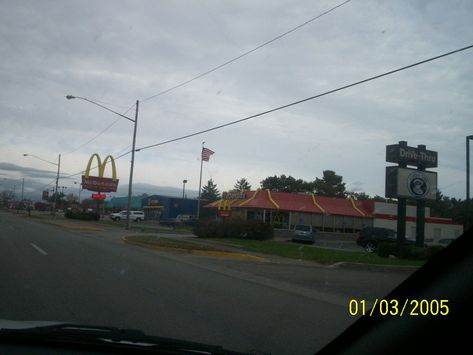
(131, 167)
(57, 182)
(200, 181)
(467, 202)
(22, 188)
(183, 188)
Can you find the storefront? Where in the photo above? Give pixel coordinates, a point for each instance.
(284, 210)
(331, 214)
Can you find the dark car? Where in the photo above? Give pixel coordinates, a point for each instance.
(370, 237)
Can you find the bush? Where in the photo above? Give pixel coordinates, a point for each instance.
(385, 249)
(433, 250)
(86, 216)
(233, 228)
(418, 253)
(407, 251)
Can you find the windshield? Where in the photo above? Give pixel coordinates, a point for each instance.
(303, 228)
(224, 127)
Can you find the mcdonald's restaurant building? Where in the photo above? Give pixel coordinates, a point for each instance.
(328, 214)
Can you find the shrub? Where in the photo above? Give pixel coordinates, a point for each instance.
(86, 216)
(386, 249)
(433, 250)
(419, 253)
(233, 228)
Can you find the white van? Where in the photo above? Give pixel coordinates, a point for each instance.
(136, 216)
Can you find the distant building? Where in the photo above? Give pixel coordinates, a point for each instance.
(155, 207)
(385, 215)
(331, 214)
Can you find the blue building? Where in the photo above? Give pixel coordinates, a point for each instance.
(156, 207)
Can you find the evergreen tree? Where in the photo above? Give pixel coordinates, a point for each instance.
(242, 185)
(210, 191)
(286, 184)
(330, 185)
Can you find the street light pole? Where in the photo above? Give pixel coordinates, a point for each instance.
(57, 182)
(131, 166)
(467, 212)
(183, 187)
(135, 121)
(58, 164)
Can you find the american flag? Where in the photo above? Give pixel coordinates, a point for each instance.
(206, 153)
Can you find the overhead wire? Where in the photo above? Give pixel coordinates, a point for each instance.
(307, 99)
(205, 73)
(101, 132)
(292, 103)
(245, 53)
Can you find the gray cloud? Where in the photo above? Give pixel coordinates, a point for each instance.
(120, 52)
(28, 172)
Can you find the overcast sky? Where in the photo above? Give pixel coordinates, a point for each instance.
(117, 52)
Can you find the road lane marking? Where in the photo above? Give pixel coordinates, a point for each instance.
(38, 249)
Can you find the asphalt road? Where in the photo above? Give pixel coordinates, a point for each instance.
(91, 277)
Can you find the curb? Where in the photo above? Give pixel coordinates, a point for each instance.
(375, 267)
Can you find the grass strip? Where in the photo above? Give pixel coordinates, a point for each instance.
(144, 228)
(319, 255)
(173, 245)
(163, 242)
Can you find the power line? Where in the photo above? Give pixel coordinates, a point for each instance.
(245, 53)
(110, 104)
(98, 135)
(96, 166)
(101, 132)
(308, 99)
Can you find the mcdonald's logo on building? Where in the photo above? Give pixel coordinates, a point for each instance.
(100, 183)
(224, 208)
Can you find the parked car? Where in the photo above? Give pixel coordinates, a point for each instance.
(168, 222)
(304, 234)
(181, 219)
(136, 216)
(442, 242)
(370, 237)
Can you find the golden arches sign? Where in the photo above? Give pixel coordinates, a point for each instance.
(224, 205)
(224, 208)
(100, 183)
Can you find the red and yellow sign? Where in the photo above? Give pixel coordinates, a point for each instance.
(224, 208)
(100, 183)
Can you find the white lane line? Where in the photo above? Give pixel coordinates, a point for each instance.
(38, 249)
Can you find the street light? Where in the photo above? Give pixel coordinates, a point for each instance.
(58, 164)
(184, 182)
(80, 188)
(467, 212)
(135, 122)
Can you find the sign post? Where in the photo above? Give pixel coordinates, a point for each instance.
(403, 183)
(100, 184)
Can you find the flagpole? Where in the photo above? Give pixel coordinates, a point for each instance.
(200, 180)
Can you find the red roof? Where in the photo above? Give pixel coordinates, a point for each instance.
(296, 202)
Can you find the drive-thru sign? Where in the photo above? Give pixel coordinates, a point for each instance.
(416, 184)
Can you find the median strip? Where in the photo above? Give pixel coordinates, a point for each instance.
(181, 246)
(81, 227)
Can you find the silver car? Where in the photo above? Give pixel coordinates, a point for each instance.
(303, 233)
